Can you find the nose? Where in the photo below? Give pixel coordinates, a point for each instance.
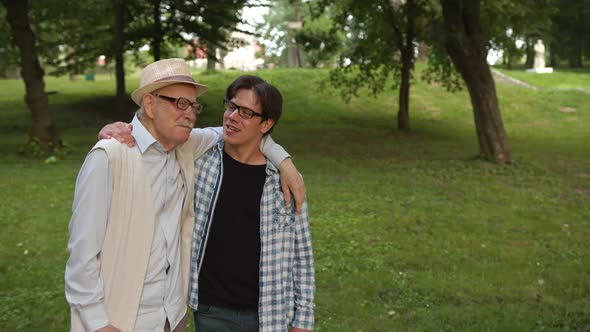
(190, 115)
(233, 115)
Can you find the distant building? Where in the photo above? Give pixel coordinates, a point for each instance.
(241, 55)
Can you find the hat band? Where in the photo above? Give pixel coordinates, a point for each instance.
(177, 78)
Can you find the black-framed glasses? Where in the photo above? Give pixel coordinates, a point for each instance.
(243, 111)
(182, 103)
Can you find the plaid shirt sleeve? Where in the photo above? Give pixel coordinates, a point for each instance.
(303, 273)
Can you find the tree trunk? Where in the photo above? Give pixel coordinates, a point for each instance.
(211, 56)
(465, 45)
(407, 51)
(295, 51)
(422, 52)
(575, 56)
(299, 47)
(118, 49)
(530, 54)
(157, 38)
(553, 55)
(403, 114)
(43, 128)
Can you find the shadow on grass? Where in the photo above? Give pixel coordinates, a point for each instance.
(91, 112)
(82, 113)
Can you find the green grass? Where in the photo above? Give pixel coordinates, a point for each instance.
(561, 78)
(410, 231)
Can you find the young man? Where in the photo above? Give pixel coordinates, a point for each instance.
(132, 221)
(252, 260)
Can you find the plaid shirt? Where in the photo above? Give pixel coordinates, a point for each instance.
(286, 278)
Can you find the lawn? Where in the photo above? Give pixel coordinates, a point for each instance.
(411, 232)
(561, 78)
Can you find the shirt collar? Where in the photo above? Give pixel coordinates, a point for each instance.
(142, 136)
(270, 167)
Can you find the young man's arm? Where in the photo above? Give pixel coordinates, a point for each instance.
(201, 140)
(303, 274)
(83, 281)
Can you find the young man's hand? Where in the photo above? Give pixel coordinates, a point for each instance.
(120, 131)
(292, 182)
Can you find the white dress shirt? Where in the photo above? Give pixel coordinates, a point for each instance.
(162, 296)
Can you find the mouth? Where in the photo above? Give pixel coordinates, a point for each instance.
(186, 125)
(231, 129)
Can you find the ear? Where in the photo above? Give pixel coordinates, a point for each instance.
(149, 105)
(266, 125)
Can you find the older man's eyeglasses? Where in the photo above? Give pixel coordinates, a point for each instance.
(182, 103)
(243, 111)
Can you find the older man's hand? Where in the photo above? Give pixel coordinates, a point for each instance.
(108, 328)
(292, 183)
(120, 131)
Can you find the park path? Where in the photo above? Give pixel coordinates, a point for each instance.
(501, 77)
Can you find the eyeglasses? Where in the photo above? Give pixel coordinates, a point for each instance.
(244, 112)
(182, 103)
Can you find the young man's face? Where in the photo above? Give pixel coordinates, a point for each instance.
(239, 130)
(171, 125)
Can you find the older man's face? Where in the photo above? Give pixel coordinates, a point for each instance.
(172, 125)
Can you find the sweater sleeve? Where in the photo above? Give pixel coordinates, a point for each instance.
(203, 139)
(83, 281)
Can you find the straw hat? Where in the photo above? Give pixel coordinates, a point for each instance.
(163, 73)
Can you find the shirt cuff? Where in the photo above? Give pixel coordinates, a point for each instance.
(94, 316)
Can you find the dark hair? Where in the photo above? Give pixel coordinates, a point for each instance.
(269, 97)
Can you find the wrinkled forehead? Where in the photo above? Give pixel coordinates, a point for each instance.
(187, 91)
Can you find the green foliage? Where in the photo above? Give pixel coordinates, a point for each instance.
(8, 52)
(275, 34)
(351, 79)
(505, 22)
(571, 25)
(365, 25)
(321, 40)
(178, 22)
(441, 70)
(376, 35)
(410, 232)
(71, 38)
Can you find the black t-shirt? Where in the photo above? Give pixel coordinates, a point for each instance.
(229, 275)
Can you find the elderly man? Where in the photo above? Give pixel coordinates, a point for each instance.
(132, 220)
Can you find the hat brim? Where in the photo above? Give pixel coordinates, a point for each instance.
(137, 95)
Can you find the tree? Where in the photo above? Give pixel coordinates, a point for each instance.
(204, 24)
(9, 57)
(570, 30)
(396, 26)
(119, 8)
(43, 129)
(465, 43)
(504, 22)
(321, 39)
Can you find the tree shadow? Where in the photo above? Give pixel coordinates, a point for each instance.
(91, 112)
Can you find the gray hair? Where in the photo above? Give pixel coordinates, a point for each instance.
(139, 112)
